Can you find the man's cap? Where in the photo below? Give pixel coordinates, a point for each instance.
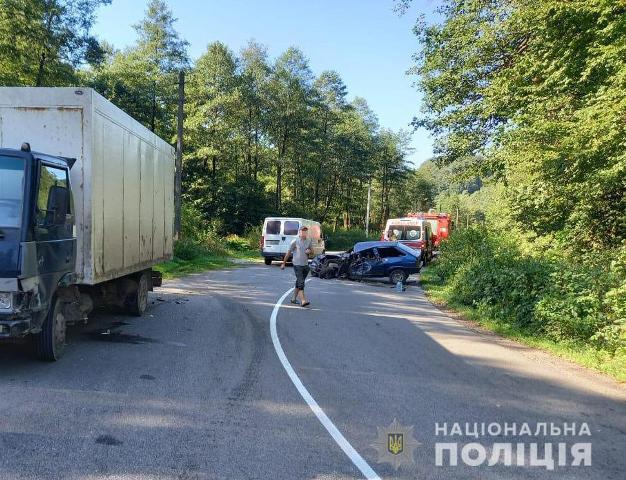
(304, 228)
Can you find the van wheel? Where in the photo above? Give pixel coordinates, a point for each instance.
(137, 301)
(398, 276)
(50, 342)
(268, 261)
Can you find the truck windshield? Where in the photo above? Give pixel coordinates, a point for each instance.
(404, 232)
(11, 191)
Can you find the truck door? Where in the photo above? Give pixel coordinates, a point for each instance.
(54, 225)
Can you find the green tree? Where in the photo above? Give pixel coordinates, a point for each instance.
(142, 80)
(533, 94)
(255, 73)
(42, 42)
(288, 95)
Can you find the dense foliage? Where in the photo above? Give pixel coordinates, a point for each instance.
(43, 41)
(527, 102)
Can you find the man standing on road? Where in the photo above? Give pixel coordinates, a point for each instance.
(300, 248)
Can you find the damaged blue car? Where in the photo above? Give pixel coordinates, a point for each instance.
(370, 260)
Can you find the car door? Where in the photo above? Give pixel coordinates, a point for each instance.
(362, 263)
(372, 263)
(391, 258)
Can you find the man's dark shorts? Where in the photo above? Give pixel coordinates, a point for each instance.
(301, 273)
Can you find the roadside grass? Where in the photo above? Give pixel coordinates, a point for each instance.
(192, 256)
(578, 352)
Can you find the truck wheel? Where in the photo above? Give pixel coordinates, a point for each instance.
(398, 276)
(50, 342)
(268, 261)
(137, 301)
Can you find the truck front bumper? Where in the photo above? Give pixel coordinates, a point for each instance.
(11, 327)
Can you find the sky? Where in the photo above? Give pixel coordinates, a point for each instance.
(369, 44)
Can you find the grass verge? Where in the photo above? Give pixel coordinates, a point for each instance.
(195, 257)
(582, 354)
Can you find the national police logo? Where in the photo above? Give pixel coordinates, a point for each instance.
(395, 445)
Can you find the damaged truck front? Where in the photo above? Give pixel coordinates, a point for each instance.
(37, 245)
(82, 224)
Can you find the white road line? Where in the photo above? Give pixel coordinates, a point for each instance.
(348, 449)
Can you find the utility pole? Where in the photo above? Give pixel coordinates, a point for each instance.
(179, 155)
(369, 201)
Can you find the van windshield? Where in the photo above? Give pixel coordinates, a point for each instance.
(404, 232)
(11, 191)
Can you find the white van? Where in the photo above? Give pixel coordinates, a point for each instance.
(279, 232)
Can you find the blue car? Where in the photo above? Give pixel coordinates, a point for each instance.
(370, 260)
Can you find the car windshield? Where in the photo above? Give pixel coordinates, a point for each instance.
(404, 232)
(11, 191)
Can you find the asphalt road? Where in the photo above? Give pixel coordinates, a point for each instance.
(196, 390)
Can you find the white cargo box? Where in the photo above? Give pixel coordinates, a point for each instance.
(123, 180)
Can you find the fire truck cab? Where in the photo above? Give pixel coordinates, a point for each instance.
(441, 224)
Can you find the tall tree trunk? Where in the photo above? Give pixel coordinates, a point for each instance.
(279, 179)
(249, 152)
(279, 169)
(41, 69)
(256, 153)
(43, 57)
(153, 108)
(329, 198)
(316, 188)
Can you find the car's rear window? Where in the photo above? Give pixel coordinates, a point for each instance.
(406, 249)
(291, 227)
(272, 227)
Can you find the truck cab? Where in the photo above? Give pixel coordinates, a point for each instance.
(413, 232)
(37, 240)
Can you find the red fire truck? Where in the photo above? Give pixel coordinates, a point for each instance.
(441, 223)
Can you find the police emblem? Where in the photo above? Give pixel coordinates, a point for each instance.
(395, 445)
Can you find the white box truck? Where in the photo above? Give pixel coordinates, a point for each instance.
(86, 209)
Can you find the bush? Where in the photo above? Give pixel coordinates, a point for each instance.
(486, 271)
(547, 293)
(197, 237)
(342, 239)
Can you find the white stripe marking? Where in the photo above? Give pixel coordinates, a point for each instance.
(348, 449)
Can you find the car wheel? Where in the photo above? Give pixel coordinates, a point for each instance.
(268, 261)
(137, 302)
(398, 276)
(50, 342)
